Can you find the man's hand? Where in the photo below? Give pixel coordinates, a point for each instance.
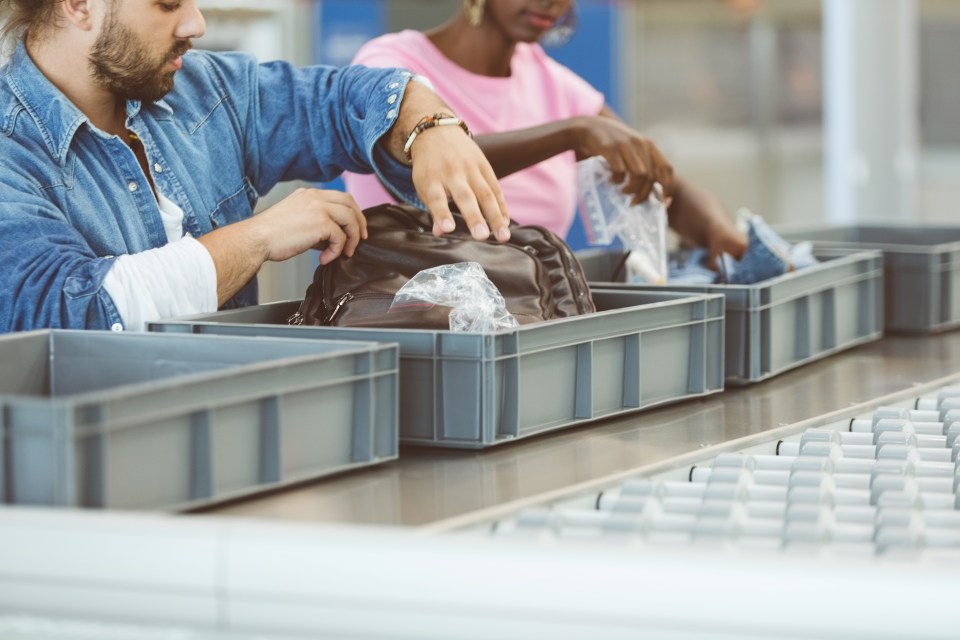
(310, 219)
(307, 219)
(448, 165)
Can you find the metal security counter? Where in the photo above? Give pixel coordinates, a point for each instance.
(289, 564)
(428, 487)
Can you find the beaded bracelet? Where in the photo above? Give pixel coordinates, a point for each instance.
(428, 122)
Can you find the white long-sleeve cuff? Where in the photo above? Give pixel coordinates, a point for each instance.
(175, 280)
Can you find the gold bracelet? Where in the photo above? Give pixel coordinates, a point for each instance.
(428, 122)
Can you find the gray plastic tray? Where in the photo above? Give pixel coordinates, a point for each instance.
(784, 322)
(150, 421)
(477, 390)
(921, 269)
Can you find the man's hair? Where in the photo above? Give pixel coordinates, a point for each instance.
(19, 16)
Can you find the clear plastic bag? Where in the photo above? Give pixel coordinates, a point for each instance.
(608, 214)
(477, 305)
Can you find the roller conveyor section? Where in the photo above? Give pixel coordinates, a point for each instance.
(878, 484)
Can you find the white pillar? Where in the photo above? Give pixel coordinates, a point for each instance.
(871, 112)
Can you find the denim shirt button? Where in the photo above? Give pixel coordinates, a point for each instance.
(392, 99)
(393, 85)
(116, 326)
(157, 167)
(132, 186)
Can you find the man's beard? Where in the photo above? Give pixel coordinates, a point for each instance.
(127, 68)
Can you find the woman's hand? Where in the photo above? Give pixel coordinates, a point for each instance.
(632, 157)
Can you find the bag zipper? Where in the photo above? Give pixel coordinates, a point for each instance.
(297, 318)
(349, 297)
(342, 300)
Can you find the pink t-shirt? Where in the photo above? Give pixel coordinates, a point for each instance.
(539, 90)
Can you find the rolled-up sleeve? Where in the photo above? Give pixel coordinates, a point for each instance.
(50, 276)
(313, 123)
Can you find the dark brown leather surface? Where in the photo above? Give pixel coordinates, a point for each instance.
(536, 272)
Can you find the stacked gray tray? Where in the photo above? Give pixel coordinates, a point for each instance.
(475, 390)
(151, 421)
(781, 323)
(921, 269)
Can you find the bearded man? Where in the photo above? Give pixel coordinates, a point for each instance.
(132, 164)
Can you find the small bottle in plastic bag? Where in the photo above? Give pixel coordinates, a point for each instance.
(608, 214)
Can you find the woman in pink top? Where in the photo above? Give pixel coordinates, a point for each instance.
(487, 64)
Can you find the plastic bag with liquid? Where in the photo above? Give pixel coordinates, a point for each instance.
(608, 214)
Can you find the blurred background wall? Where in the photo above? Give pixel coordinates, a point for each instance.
(734, 90)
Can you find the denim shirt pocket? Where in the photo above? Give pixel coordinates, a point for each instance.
(236, 207)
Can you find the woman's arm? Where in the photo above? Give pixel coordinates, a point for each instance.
(694, 213)
(699, 216)
(629, 154)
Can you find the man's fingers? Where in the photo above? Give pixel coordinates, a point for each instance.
(311, 218)
(466, 200)
(494, 206)
(492, 209)
(435, 198)
(335, 242)
(352, 235)
(348, 216)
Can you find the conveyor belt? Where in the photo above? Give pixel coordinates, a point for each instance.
(440, 489)
(881, 483)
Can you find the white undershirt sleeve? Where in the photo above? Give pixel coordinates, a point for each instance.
(175, 280)
(425, 81)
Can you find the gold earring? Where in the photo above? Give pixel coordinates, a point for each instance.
(474, 11)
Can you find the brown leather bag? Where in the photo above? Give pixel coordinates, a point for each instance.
(536, 272)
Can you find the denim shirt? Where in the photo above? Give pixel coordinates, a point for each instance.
(72, 197)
